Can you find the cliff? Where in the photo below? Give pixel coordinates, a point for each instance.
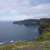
(44, 24)
(27, 22)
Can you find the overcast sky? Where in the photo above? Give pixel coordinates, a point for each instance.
(24, 9)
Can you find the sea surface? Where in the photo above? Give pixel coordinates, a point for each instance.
(15, 32)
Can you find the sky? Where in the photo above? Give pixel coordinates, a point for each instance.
(11, 10)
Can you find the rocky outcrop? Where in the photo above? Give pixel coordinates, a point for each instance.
(44, 24)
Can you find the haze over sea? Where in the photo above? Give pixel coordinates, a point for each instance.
(10, 31)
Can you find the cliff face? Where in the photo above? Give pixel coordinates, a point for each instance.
(44, 24)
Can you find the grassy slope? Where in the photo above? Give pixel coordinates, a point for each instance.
(18, 45)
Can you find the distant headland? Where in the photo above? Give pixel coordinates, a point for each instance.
(27, 22)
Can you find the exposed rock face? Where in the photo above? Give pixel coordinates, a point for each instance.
(44, 24)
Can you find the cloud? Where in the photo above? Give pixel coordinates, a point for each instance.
(24, 9)
(38, 11)
(7, 9)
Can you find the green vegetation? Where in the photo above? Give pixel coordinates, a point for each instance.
(44, 37)
(18, 45)
(45, 45)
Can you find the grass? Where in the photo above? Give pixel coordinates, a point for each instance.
(45, 36)
(18, 45)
